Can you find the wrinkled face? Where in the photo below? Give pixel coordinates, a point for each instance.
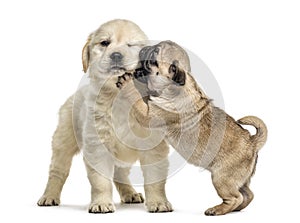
(113, 48)
(164, 65)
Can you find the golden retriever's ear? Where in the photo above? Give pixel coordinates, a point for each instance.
(86, 55)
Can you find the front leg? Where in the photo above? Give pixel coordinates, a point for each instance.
(101, 191)
(131, 94)
(99, 163)
(154, 165)
(154, 162)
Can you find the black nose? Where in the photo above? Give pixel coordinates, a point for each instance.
(144, 53)
(116, 57)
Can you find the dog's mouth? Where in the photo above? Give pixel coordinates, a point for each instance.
(141, 75)
(117, 68)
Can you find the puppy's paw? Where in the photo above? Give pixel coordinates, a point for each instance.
(133, 198)
(101, 208)
(48, 201)
(159, 206)
(124, 79)
(217, 210)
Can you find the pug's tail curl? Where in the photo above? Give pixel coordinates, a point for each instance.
(260, 138)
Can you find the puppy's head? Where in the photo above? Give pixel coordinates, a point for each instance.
(113, 48)
(165, 65)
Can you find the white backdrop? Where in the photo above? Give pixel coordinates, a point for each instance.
(251, 47)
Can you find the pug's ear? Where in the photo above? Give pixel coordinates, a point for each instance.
(86, 54)
(179, 75)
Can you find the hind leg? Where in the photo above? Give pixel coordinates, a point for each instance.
(247, 197)
(228, 190)
(64, 147)
(123, 185)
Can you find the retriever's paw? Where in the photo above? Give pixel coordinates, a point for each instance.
(123, 79)
(48, 201)
(132, 198)
(159, 206)
(101, 208)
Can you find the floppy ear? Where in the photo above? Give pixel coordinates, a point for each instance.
(178, 74)
(86, 55)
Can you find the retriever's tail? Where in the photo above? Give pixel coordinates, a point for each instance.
(260, 138)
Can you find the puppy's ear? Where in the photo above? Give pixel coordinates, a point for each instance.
(86, 54)
(178, 74)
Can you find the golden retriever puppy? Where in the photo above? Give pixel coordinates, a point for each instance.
(202, 133)
(110, 138)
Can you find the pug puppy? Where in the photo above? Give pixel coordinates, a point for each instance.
(110, 139)
(202, 133)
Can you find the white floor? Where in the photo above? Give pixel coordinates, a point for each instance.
(190, 192)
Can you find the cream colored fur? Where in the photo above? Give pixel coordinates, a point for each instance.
(109, 138)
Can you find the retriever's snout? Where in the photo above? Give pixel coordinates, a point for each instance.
(116, 57)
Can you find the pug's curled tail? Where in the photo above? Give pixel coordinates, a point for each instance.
(260, 138)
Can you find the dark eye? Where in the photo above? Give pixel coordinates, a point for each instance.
(105, 43)
(172, 69)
